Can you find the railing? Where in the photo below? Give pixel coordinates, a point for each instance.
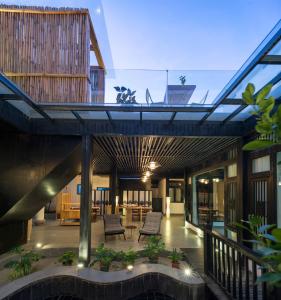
(234, 267)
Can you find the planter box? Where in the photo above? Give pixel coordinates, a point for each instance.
(179, 94)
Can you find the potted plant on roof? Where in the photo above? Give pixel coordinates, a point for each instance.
(153, 248)
(125, 95)
(175, 257)
(179, 93)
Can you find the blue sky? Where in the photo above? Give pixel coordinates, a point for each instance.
(177, 34)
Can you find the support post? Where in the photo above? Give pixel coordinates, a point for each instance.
(86, 200)
(113, 186)
(185, 190)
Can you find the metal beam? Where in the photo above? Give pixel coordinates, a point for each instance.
(10, 85)
(10, 97)
(123, 108)
(77, 116)
(109, 118)
(141, 118)
(273, 81)
(172, 118)
(86, 200)
(271, 60)
(268, 43)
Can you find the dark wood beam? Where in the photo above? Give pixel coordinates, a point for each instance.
(133, 127)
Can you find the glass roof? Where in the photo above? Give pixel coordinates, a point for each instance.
(164, 95)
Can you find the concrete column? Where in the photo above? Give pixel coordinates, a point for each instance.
(86, 200)
(39, 218)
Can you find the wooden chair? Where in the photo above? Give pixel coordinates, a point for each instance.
(113, 225)
(152, 224)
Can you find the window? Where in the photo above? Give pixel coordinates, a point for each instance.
(261, 164)
(232, 170)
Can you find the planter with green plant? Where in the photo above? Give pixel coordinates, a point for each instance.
(23, 264)
(175, 257)
(153, 248)
(68, 258)
(104, 256)
(129, 257)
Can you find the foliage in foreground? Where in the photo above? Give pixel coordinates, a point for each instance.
(68, 258)
(153, 248)
(268, 119)
(268, 245)
(23, 265)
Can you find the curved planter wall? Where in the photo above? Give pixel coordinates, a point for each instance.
(95, 285)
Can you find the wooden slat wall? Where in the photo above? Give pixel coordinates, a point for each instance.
(48, 53)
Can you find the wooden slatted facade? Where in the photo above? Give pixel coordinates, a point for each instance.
(46, 51)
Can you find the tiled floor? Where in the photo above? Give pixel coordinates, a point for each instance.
(174, 234)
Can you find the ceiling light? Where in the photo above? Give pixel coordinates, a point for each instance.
(153, 165)
(148, 173)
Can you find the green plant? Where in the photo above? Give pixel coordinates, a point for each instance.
(104, 256)
(257, 230)
(270, 248)
(175, 256)
(23, 265)
(125, 95)
(68, 258)
(182, 79)
(153, 248)
(268, 119)
(129, 257)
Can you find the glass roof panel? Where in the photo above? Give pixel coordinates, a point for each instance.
(222, 112)
(58, 114)
(243, 115)
(94, 115)
(122, 115)
(259, 76)
(24, 108)
(157, 116)
(276, 50)
(5, 90)
(276, 90)
(189, 116)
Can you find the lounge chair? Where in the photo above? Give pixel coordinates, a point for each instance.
(152, 224)
(113, 225)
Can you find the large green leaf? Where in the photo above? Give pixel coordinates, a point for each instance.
(258, 144)
(248, 98)
(263, 93)
(277, 233)
(250, 88)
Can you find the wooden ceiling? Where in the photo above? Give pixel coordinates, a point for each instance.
(132, 154)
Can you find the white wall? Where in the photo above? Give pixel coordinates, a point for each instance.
(177, 208)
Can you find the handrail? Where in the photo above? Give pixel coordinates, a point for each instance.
(239, 247)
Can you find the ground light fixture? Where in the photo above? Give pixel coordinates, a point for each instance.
(80, 265)
(144, 179)
(188, 271)
(130, 268)
(39, 245)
